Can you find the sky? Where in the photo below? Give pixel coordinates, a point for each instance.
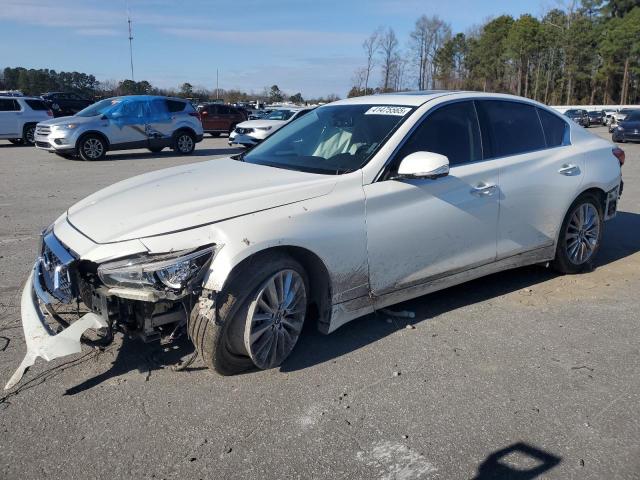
(306, 46)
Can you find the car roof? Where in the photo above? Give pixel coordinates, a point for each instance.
(147, 97)
(19, 98)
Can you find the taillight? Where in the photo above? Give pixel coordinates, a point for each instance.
(50, 113)
(619, 154)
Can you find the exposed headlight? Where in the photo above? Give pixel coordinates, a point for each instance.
(264, 128)
(174, 271)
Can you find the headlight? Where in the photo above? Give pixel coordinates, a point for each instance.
(264, 128)
(67, 126)
(620, 129)
(174, 271)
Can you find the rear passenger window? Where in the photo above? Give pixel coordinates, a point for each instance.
(556, 130)
(8, 105)
(451, 130)
(175, 105)
(37, 105)
(513, 127)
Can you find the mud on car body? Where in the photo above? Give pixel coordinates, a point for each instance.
(353, 207)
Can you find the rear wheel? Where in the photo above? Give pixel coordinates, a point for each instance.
(29, 134)
(92, 147)
(258, 323)
(580, 236)
(184, 143)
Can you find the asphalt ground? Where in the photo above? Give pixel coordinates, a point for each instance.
(524, 374)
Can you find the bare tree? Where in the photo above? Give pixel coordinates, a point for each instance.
(428, 36)
(389, 56)
(371, 46)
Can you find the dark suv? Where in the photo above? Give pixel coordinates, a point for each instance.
(217, 118)
(65, 103)
(581, 117)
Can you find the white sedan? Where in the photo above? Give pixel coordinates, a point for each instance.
(252, 132)
(358, 205)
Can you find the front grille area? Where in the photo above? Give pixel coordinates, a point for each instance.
(43, 130)
(43, 144)
(242, 131)
(56, 268)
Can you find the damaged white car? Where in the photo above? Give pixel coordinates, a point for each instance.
(358, 205)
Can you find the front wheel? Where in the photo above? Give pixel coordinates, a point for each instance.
(258, 323)
(92, 147)
(580, 236)
(184, 143)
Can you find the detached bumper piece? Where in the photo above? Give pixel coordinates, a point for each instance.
(51, 273)
(611, 204)
(40, 340)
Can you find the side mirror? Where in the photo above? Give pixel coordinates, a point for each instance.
(423, 165)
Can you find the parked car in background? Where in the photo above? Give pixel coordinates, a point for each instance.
(608, 116)
(619, 116)
(252, 132)
(578, 115)
(11, 93)
(355, 206)
(217, 118)
(65, 103)
(19, 116)
(628, 130)
(596, 117)
(123, 123)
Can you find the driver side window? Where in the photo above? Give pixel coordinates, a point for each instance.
(451, 130)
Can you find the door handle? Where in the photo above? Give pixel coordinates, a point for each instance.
(484, 190)
(569, 170)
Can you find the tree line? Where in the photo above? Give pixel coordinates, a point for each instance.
(38, 81)
(586, 53)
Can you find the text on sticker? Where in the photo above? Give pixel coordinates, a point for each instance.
(387, 110)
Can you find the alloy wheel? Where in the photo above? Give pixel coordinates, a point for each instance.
(93, 148)
(275, 319)
(583, 233)
(185, 143)
(30, 134)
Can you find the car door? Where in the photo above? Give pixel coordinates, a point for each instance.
(421, 229)
(9, 114)
(127, 125)
(539, 172)
(159, 122)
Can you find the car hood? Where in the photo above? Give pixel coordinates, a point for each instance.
(190, 196)
(261, 123)
(64, 120)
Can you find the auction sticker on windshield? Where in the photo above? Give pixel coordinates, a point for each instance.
(387, 110)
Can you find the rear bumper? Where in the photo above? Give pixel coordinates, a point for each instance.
(40, 340)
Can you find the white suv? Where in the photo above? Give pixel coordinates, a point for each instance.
(19, 116)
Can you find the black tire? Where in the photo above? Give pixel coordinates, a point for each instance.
(219, 338)
(184, 142)
(92, 147)
(214, 134)
(562, 263)
(28, 134)
(155, 149)
(16, 141)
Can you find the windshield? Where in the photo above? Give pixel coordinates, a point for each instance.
(330, 140)
(633, 116)
(574, 112)
(99, 108)
(279, 115)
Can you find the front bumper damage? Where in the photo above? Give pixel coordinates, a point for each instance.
(40, 339)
